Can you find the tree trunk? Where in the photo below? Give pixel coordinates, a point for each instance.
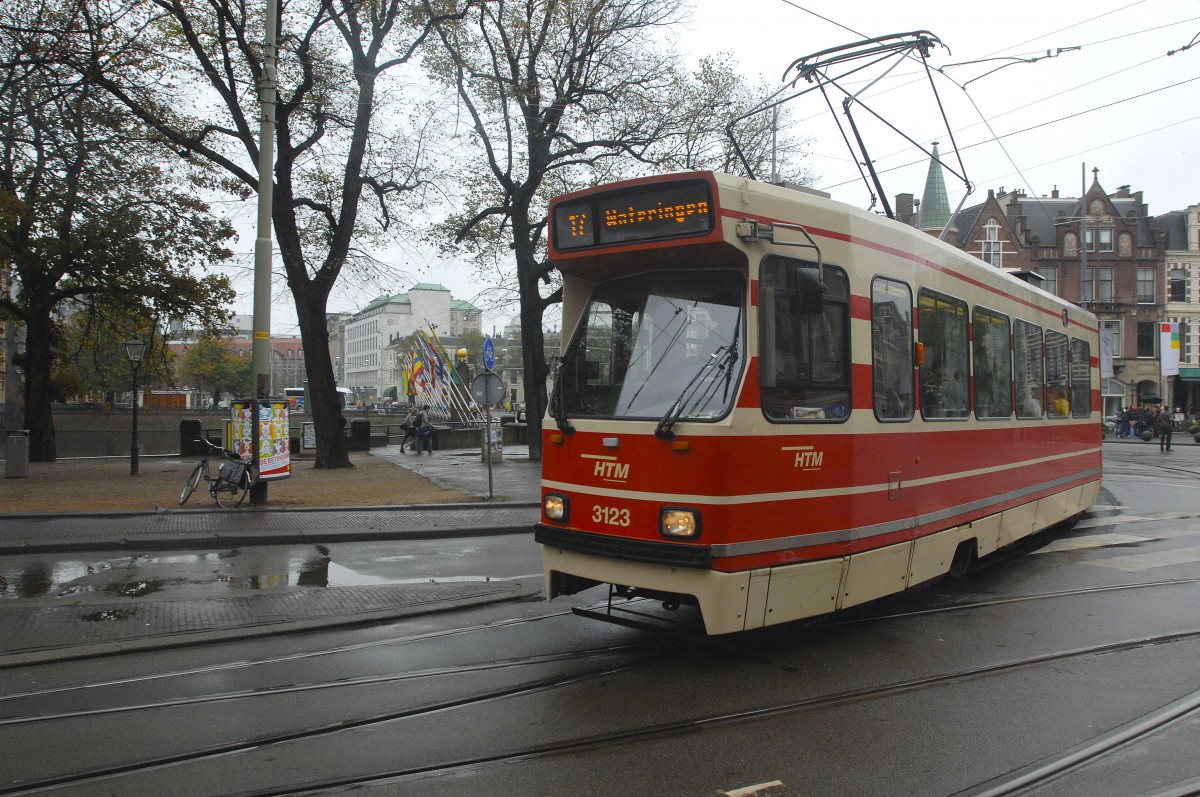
(322, 403)
(533, 355)
(39, 362)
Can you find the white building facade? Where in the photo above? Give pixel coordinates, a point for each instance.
(366, 334)
(1181, 231)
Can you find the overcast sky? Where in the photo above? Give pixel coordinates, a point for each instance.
(1118, 103)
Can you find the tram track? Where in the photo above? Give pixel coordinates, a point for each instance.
(246, 694)
(1052, 768)
(593, 742)
(291, 657)
(337, 726)
(510, 663)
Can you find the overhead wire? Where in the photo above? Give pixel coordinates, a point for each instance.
(983, 118)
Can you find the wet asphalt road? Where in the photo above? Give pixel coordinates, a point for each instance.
(955, 689)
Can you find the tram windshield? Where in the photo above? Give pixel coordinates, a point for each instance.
(664, 346)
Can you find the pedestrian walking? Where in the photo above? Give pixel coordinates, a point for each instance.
(424, 431)
(410, 429)
(1163, 427)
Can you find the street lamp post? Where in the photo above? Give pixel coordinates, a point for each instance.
(134, 349)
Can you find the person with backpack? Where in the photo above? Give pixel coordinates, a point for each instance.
(424, 431)
(410, 430)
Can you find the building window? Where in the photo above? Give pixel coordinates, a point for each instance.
(1145, 285)
(1178, 286)
(992, 249)
(1106, 239)
(1147, 331)
(1089, 239)
(1087, 282)
(1106, 285)
(1049, 275)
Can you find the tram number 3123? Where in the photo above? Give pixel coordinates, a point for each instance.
(610, 515)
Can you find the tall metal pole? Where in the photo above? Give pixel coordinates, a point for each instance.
(260, 361)
(261, 352)
(133, 441)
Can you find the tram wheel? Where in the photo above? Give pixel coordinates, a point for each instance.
(964, 555)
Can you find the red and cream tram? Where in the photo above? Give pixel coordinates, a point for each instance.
(772, 405)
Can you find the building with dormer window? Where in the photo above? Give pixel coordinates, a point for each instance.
(1101, 252)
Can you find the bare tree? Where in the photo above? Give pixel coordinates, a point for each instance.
(704, 104)
(553, 88)
(562, 94)
(340, 165)
(87, 214)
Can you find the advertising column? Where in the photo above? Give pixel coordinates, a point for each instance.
(266, 443)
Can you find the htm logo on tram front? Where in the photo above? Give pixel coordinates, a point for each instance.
(608, 469)
(807, 457)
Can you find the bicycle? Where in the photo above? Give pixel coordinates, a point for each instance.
(231, 483)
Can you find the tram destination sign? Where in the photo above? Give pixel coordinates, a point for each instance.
(643, 213)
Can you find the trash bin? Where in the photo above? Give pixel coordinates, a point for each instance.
(360, 435)
(16, 454)
(190, 430)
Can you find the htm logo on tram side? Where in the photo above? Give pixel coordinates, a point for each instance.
(608, 469)
(807, 457)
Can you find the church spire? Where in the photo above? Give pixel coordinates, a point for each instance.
(935, 205)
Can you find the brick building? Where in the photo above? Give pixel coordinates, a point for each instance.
(1102, 251)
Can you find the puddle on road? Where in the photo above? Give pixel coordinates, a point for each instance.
(204, 575)
(107, 614)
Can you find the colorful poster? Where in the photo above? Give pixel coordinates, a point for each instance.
(1169, 346)
(273, 458)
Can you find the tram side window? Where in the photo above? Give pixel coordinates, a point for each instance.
(942, 330)
(804, 341)
(1081, 378)
(892, 350)
(1058, 399)
(1027, 351)
(992, 364)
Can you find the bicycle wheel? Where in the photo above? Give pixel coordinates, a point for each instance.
(231, 494)
(191, 484)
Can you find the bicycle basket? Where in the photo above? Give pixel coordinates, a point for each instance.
(233, 472)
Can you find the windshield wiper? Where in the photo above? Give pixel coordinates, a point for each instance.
(559, 400)
(692, 396)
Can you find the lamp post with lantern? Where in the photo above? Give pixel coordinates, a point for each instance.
(134, 350)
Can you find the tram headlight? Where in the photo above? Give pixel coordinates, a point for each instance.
(679, 523)
(556, 507)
